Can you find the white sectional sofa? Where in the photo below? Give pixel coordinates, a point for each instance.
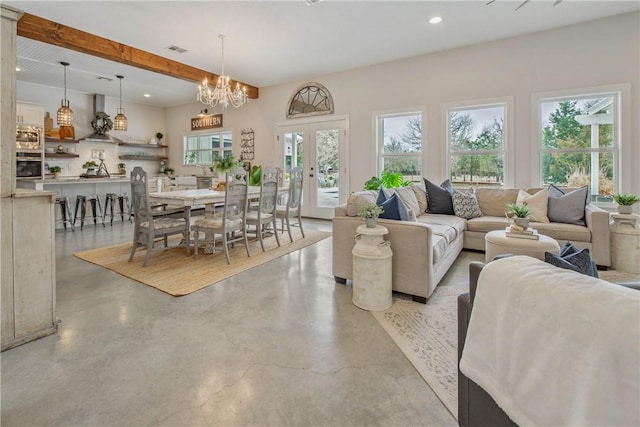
(425, 249)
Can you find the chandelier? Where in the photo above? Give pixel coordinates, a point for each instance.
(120, 121)
(64, 114)
(221, 93)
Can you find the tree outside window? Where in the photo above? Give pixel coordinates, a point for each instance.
(476, 143)
(578, 143)
(203, 149)
(400, 144)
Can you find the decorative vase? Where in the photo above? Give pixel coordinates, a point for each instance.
(522, 222)
(625, 209)
(56, 175)
(371, 222)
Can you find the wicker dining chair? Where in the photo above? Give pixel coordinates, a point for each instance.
(233, 219)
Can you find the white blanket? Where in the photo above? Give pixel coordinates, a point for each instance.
(553, 347)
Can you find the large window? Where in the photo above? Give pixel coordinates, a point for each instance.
(400, 144)
(202, 149)
(476, 144)
(579, 142)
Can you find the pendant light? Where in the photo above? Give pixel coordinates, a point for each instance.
(65, 115)
(120, 121)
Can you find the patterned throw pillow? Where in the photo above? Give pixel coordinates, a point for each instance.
(465, 205)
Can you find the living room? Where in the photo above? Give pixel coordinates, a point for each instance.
(117, 359)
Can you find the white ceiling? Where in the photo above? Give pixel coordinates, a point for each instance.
(271, 42)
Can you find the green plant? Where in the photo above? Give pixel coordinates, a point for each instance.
(90, 164)
(255, 176)
(122, 166)
(168, 171)
(159, 135)
(519, 211)
(388, 180)
(55, 169)
(626, 199)
(223, 164)
(370, 210)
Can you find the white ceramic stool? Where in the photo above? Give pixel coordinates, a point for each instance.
(497, 243)
(372, 269)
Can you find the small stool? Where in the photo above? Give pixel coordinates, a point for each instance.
(65, 212)
(81, 202)
(110, 201)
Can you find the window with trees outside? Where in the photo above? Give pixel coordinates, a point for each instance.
(400, 144)
(476, 145)
(202, 149)
(579, 142)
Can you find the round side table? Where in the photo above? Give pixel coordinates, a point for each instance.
(497, 243)
(625, 242)
(372, 269)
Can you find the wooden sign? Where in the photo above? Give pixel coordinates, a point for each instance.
(206, 122)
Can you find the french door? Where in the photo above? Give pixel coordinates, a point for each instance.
(320, 148)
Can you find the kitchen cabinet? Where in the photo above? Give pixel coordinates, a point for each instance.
(30, 114)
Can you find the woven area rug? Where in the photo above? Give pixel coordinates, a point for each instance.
(428, 335)
(171, 271)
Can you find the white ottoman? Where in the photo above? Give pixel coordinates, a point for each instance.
(497, 243)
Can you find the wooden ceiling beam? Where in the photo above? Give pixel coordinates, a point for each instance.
(44, 30)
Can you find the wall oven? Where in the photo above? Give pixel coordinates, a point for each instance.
(28, 166)
(29, 152)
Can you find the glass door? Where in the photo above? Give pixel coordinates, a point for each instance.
(320, 149)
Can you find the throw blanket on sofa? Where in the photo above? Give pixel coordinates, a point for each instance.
(554, 347)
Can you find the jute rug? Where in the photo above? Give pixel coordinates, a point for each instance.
(171, 271)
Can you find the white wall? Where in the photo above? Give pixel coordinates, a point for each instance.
(597, 53)
(143, 123)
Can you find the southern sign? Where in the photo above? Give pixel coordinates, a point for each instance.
(206, 122)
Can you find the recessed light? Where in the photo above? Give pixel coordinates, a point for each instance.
(435, 20)
(146, 95)
(18, 69)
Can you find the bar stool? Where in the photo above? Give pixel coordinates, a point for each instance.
(96, 211)
(110, 200)
(65, 212)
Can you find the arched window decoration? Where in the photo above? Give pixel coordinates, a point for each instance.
(311, 99)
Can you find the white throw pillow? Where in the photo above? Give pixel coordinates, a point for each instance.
(407, 195)
(358, 199)
(421, 196)
(537, 204)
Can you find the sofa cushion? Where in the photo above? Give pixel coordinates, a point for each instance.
(407, 195)
(439, 197)
(567, 207)
(465, 205)
(537, 204)
(485, 224)
(357, 200)
(457, 223)
(421, 195)
(494, 201)
(560, 231)
(394, 208)
(439, 247)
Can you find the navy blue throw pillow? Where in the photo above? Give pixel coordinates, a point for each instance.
(574, 259)
(382, 197)
(439, 197)
(394, 209)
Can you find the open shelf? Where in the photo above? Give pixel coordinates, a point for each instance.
(129, 144)
(61, 155)
(60, 141)
(126, 157)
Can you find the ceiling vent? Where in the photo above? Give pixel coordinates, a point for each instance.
(176, 49)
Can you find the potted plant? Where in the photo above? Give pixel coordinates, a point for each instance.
(625, 202)
(159, 135)
(370, 213)
(223, 164)
(55, 170)
(520, 214)
(168, 171)
(90, 166)
(122, 168)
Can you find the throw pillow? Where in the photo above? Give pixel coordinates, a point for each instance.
(439, 198)
(568, 207)
(357, 200)
(465, 205)
(408, 197)
(421, 196)
(537, 204)
(382, 197)
(576, 260)
(394, 209)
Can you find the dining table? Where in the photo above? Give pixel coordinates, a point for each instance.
(189, 199)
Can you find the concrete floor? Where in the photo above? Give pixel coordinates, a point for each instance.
(281, 344)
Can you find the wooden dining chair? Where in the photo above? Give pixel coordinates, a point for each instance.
(266, 212)
(150, 224)
(292, 207)
(233, 217)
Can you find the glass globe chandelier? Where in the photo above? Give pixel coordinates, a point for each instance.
(222, 93)
(120, 120)
(65, 114)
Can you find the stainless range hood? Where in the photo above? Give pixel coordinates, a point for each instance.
(98, 106)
